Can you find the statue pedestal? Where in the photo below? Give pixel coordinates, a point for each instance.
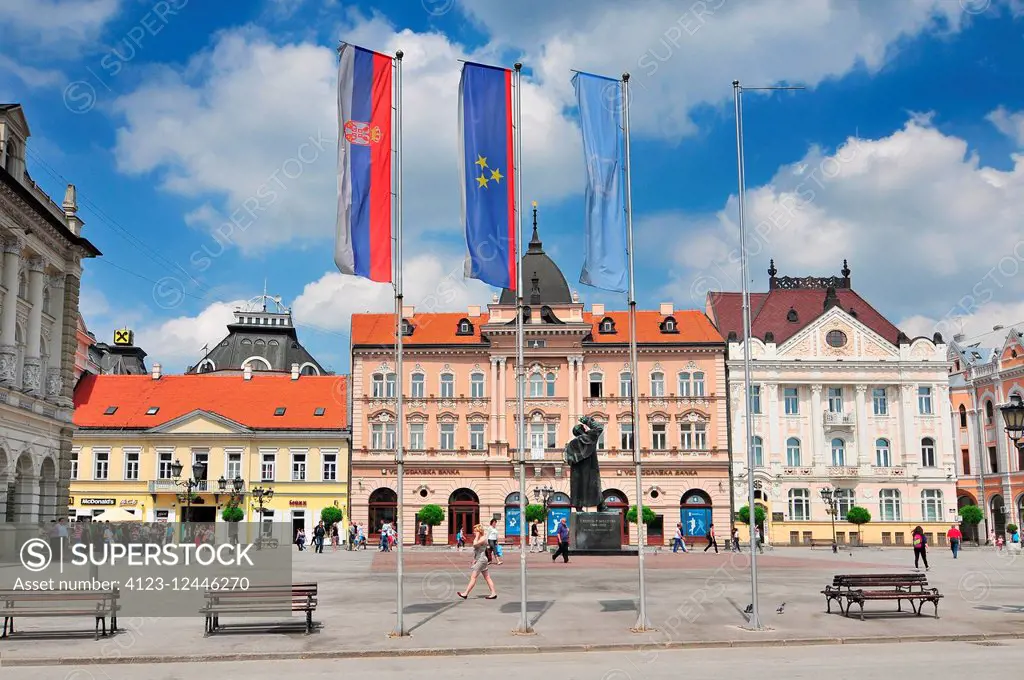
(597, 533)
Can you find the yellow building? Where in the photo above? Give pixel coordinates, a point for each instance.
(286, 432)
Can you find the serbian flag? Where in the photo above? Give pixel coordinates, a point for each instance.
(486, 167)
(363, 233)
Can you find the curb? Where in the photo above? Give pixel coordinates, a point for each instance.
(509, 649)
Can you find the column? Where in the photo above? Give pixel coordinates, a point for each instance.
(494, 400)
(911, 453)
(945, 439)
(817, 427)
(580, 382)
(32, 374)
(8, 320)
(861, 433)
(54, 383)
(571, 394)
(773, 452)
(502, 410)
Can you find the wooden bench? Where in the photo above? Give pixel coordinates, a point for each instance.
(861, 588)
(819, 543)
(265, 599)
(99, 604)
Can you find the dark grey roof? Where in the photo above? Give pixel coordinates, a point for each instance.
(119, 359)
(543, 282)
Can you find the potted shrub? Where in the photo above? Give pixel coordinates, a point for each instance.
(432, 515)
(972, 517)
(858, 516)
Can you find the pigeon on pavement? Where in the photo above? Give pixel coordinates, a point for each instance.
(781, 608)
(749, 609)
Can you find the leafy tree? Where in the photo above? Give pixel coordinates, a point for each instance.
(331, 515)
(536, 513)
(649, 515)
(232, 513)
(759, 514)
(432, 515)
(858, 516)
(972, 516)
(1011, 528)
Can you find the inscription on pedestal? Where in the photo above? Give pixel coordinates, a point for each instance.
(595, 531)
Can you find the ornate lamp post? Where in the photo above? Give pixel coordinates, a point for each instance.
(260, 494)
(1013, 419)
(828, 494)
(197, 480)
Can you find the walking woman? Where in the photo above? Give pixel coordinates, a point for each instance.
(712, 543)
(479, 564)
(920, 547)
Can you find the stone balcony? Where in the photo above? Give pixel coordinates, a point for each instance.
(839, 420)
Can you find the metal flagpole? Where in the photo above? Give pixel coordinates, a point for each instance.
(642, 624)
(524, 623)
(399, 340)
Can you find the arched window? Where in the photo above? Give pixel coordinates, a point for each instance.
(838, 451)
(476, 386)
(447, 386)
(377, 382)
(625, 384)
(793, 452)
(389, 385)
(890, 505)
(206, 366)
(684, 384)
(550, 380)
(657, 384)
(698, 384)
(536, 385)
(596, 385)
(309, 369)
(465, 328)
(988, 411)
(963, 417)
(928, 452)
(799, 505)
(882, 455)
(256, 364)
(12, 156)
(757, 446)
(419, 387)
(931, 505)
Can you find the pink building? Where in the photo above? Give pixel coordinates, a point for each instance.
(461, 429)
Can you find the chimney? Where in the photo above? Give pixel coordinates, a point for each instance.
(474, 311)
(156, 371)
(597, 309)
(247, 373)
(71, 210)
(666, 309)
(295, 371)
(408, 311)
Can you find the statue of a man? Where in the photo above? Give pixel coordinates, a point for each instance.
(581, 455)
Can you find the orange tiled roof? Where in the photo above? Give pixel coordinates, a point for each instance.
(440, 328)
(249, 402)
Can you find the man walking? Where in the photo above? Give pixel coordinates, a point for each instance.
(423, 533)
(353, 531)
(735, 538)
(954, 536)
(318, 536)
(534, 537)
(712, 543)
(677, 542)
(563, 542)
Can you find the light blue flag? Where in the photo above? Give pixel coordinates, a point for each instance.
(600, 104)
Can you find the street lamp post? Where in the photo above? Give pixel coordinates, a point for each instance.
(828, 494)
(197, 479)
(1013, 419)
(543, 494)
(260, 494)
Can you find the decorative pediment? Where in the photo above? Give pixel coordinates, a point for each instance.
(692, 417)
(922, 349)
(477, 417)
(384, 367)
(447, 417)
(200, 422)
(625, 418)
(658, 417)
(837, 334)
(598, 415)
(382, 416)
(418, 417)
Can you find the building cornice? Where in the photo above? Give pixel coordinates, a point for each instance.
(82, 434)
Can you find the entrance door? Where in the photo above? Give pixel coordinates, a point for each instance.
(298, 522)
(205, 515)
(998, 516)
(616, 501)
(463, 513)
(695, 513)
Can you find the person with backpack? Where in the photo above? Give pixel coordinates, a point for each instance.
(423, 533)
(954, 537)
(920, 542)
(712, 543)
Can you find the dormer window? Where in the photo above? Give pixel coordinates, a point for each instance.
(111, 410)
(791, 316)
(406, 327)
(279, 411)
(607, 326)
(853, 313)
(152, 410)
(319, 411)
(669, 325)
(465, 327)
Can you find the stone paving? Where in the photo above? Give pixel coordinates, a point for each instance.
(696, 598)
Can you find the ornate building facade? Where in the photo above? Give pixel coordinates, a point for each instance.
(841, 399)
(40, 275)
(990, 470)
(460, 428)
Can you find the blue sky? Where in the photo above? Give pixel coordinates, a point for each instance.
(172, 116)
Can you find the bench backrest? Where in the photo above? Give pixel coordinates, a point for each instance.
(295, 591)
(876, 579)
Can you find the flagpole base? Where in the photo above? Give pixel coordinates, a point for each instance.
(642, 626)
(396, 633)
(524, 631)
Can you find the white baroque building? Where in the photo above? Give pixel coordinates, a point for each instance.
(40, 274)
(842, 399)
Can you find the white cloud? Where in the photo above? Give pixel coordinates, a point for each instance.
(976, 327)
(60, 25)
(431, 284)
(928, 231)
(1010, 124)
(177, 343)
(29, 76)
(248, 129)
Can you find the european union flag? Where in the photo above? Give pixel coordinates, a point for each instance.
(488, 176)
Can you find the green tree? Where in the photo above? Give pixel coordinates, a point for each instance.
(432, 515)
(649, 515)
(232, 513)
(1011, 529)
(759, 514)
(331, 515)
(536, 513)
(858, 516)
(972, 517)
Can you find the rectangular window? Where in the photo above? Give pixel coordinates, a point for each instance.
(267, 467)
(552, 442)
(658, 438)
(418, 386)
(993, 460)
(234, 467)
(931, 505)
(965, 457)
(382, 436)
(330, 466)
(447, 436)
(625, 385)
(880, 401)
(698, 384)
(626, 436)
(791, 398)
(928, 452)
(163, 464)
(700, 437)
(131, 465)
(389, 384)
(596, 386)
(201, 457)
(416, 436)
(657, 384)
(378, 385)
(889, 505)
(600, 440)
(755, 399)
(476, 386)
(686, 436)
(835, 399)
(684, 385)
(924, 401)
(538, 438)
(299, 467)
(447, 386)
(101, 464)
(74, 465)
(476, 436)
